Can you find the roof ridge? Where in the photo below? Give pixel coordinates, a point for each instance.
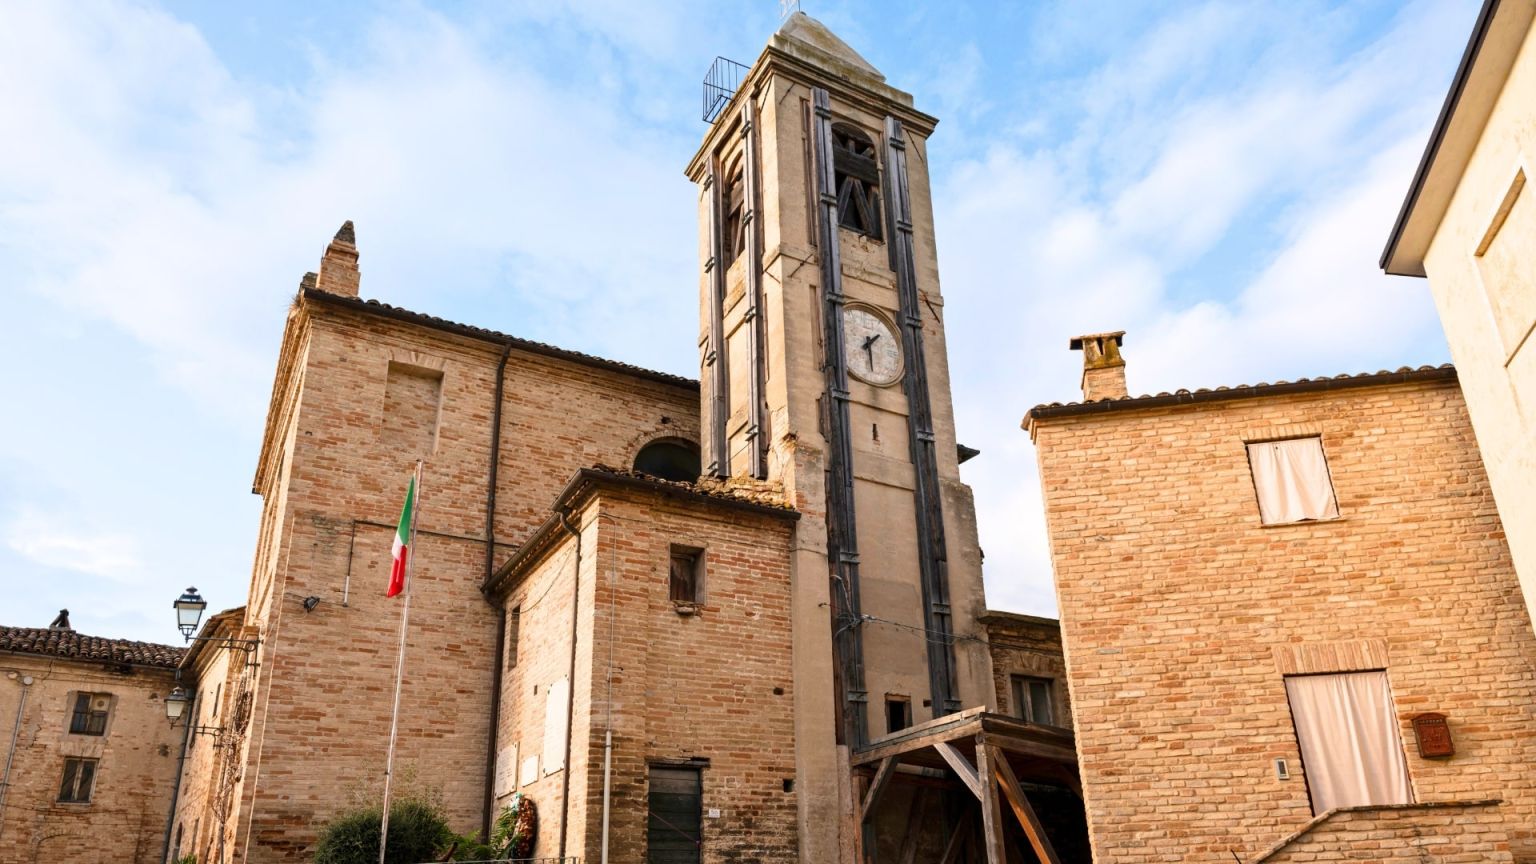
(400, 313)
(1239, 391)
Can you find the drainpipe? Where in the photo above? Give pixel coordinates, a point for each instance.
(490, 569)
(570, 681)
(181, 764)
(5, 782)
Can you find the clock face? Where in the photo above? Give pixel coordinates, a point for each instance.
(872, 350)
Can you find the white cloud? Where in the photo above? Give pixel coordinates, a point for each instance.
(1302, 165)
(53, 541)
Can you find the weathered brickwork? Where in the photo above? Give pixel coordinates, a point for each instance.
(218, 678)
(712, 687)
(135, 768)
(1416, 834)
(1025, 645)
(343, 432)
(1180, 611)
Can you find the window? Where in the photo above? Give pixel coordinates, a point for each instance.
(1292, 481)
(1346, 729)
(858, 181)
(1032, 700)
(735, 238)
(90, 717)
(669, 459)
(79, 777)
(674, 804)
(898, 712)
(685, 579)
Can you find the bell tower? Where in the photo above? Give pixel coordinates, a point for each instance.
(824, 369)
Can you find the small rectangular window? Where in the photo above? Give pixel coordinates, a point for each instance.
(90, 715)
(1292, 481)
(79, 777)
(686, 575)
(898, 712)
(1032, 700)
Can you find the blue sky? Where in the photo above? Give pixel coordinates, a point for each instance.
(1215, 178)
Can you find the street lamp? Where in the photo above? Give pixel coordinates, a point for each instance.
(189, 611)
(176, 705)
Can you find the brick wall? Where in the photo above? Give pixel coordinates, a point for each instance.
(714, 685)
(1029, 646)
(1180, 611)
(124, 820)
(344, 429)
(1472, 832)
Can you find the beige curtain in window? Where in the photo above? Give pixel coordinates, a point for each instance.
(1292, 480)
(1349, 743)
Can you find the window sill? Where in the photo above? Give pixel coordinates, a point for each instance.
(1303, 522)
(687, 609)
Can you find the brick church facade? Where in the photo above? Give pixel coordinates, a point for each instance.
(677, 615)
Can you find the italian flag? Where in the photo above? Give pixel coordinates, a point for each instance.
(402, 546)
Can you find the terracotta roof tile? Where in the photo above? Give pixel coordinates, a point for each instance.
(396, 312)
(1240, 391)
(78, 646)
(758, 492)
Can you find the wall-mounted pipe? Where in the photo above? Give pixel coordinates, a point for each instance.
(5, 782)
(570, 680)
(501, 618)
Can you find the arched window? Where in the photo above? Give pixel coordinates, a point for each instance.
(735, 206)
(858, 180)
(669, 459)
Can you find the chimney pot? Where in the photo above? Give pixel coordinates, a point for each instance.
(338, 267)
(1103, 367)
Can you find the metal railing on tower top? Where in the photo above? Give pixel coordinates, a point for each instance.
(720, 84)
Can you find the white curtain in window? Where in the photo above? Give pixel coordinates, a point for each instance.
(1292, 480)
(1349, 743)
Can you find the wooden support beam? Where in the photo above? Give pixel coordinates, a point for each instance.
(991, 808)
(916, 816)
(1022, 810)
(968, 774)
(877, 786)
(957, 837)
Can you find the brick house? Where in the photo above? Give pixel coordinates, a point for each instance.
(90, 760)
(1290, 619)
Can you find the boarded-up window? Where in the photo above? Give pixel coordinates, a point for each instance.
(1504, 265)
(1350, 748)
(685, 575)
(412, 399)
(556, 720)
(1292, 481)
(675, 815)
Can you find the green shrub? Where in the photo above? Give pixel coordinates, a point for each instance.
(188, 858)
(417, 831)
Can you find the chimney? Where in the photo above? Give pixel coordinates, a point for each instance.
(61, 622)
(338, 267)
(1103, 367)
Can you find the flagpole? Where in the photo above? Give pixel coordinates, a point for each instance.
(405, 617)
